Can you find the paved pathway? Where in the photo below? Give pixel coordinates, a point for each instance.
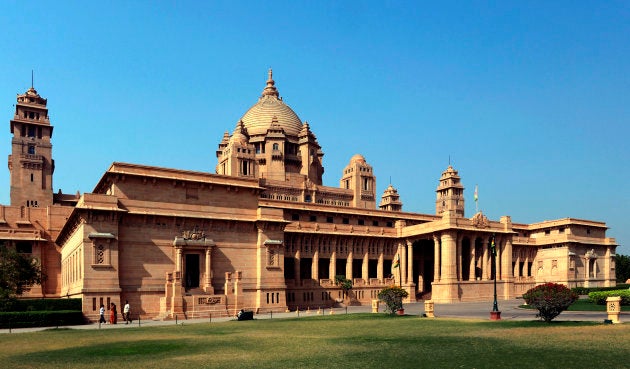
(466, 310)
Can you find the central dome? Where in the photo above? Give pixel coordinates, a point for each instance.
(259, 117)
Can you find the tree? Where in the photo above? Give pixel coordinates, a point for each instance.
(18, 273)
(622, 268)
(550, 299)
(344, 283)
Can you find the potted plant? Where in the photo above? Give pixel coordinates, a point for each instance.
(392, 297)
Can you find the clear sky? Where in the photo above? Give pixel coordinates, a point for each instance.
(529, 99)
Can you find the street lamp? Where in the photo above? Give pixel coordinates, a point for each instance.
(495, 314)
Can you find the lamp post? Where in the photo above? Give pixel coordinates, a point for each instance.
(495, 314)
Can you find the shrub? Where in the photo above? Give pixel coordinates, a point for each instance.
(550, 299)
(40, 318)
(599, 297)
(392, 297)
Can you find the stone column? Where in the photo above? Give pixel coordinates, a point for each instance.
(473, 263)
(460, 239)
(449, 254)
(409, 262)
(436, 257)
(506, 259)
(349, 265)
(403, 263)
(332, 269)
(315, 265)
(381, 258)
(485, 267)
(298, 278)
(208, 282)
(364, 265)
(178, 261)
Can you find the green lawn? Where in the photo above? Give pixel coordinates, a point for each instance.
(341, 341)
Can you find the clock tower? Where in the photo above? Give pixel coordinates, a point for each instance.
(30, 163)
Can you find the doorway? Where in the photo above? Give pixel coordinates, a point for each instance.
(192, 271)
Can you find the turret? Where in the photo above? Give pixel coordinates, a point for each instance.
(450, 193)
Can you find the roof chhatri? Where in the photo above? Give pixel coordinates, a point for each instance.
(270, 89)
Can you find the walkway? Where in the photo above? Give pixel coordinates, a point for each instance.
(465, 310)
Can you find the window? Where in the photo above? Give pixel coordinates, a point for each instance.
(329, 219)
(361, 222)
(547, 232)
(313, 218)
(390, 224)
(307, 198)
(276, 147)
(375, 223)
(295, 217)
(346, 221)
(31, 131)
(31, 149)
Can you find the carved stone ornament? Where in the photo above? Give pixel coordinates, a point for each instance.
(591, 254)
(194, 235)
(480, 221)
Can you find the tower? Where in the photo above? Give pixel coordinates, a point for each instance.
(358, 176)
(450, 193)
(30, 163)
(390, 200)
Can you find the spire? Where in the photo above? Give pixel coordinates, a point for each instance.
(270, 89)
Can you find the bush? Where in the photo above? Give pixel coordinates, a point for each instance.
(599, 297)
(550, 299)
(24, 319)
(40, 304)
(392, 297)
(587, 290)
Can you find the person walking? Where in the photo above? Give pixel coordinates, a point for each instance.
(102, 314)
(112, 314)
(126, 312)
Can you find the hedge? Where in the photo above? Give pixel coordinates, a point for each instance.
(587, 290)
(40, 304)
(24, 319)
(599, 297)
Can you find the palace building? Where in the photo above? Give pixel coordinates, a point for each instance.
(264, 233)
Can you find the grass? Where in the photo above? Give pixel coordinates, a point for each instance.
(342, 341)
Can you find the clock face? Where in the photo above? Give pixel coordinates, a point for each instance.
(611, 307)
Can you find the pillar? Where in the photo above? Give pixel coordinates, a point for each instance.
(409, 262)
(506, 259)
(364, 264)
(436, 257)
(379, 267)
(473, 262)
(485, 267)
(315, 265)
(332, 269)
(349, 264)
(449, 254)
(178, 262)
(403, 263)
(208, 282)
(460, 239)
(298, 278)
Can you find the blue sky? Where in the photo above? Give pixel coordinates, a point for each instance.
(531, 100)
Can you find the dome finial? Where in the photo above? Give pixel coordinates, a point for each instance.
(270, 89)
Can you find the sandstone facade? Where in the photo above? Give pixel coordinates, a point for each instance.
(264, 233)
